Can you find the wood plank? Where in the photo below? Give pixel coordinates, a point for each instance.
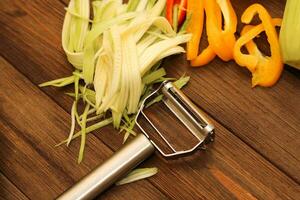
(30, 126)
(8, 191)
(26, 25)
(196, 177)
(266, 119)
(230, 159)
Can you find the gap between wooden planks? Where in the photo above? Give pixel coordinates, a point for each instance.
(185, 174)
(50, 69)
(9, 191)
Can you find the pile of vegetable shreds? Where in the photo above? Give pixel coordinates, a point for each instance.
(116, 56)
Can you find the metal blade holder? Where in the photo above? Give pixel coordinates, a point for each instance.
(142, 146)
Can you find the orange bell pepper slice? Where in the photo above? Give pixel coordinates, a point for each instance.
(222, 40)
(265, 70)
(204, 58)
(208, 53)
(195, 8)
(251, 46)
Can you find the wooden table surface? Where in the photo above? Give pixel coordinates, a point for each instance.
(255, 154)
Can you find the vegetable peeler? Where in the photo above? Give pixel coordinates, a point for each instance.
(142, 146)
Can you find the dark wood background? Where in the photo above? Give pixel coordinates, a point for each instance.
(255, 155)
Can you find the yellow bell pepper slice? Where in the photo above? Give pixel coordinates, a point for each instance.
(195, 8)
(204, 58)
(265, 70)
(251, 46)
(208, 53)
(221, 40)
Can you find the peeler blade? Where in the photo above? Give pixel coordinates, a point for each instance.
(187, 115)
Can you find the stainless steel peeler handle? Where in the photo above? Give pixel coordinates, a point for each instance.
(118, 165)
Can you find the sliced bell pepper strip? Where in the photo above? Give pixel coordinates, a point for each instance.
(182, 11)
(265, 70)
(195, 8)
(169, 11)
(204, 58)
(251, 46)
(185, 24)
(221, 40)
(208, 53)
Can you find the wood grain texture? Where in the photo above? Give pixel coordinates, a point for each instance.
(28, 121)
(31, 42)
(265, 118)
(227, 157)
(9, 191)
